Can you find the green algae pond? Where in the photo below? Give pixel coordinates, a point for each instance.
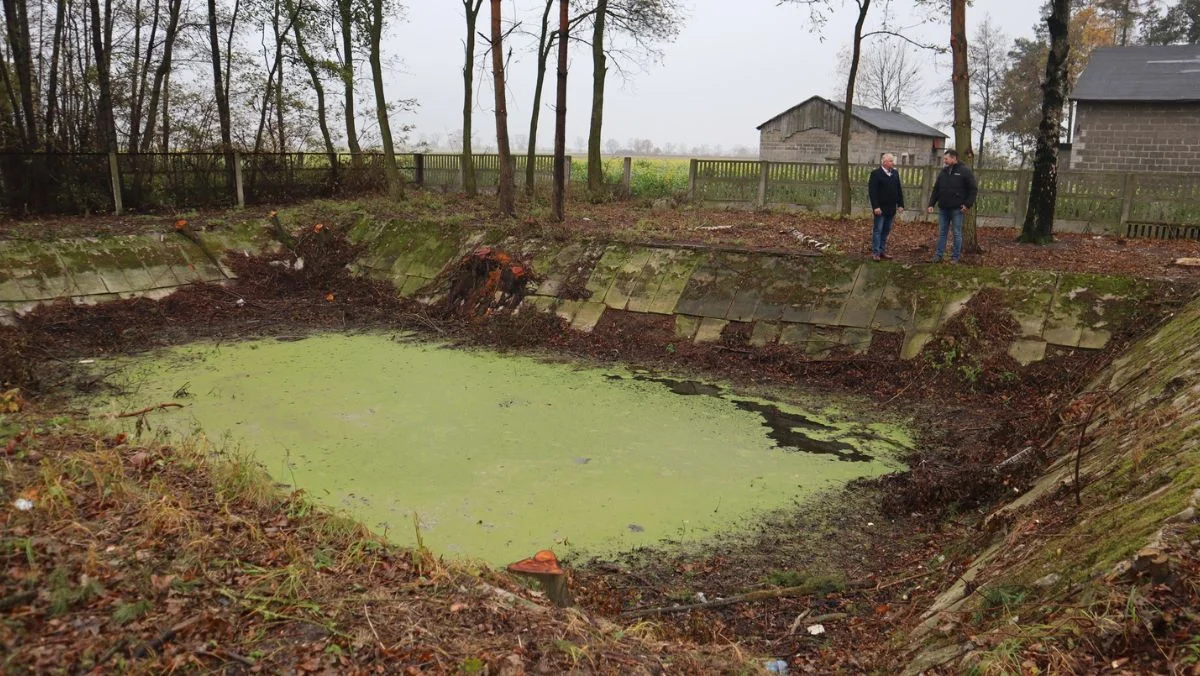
(499, 456)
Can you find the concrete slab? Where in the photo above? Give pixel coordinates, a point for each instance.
(730, 271)
(11, 291)
(622, 287)
(1028, 294)
(1094, 339)
(710, 330)
(764, 333)
(698, 286)
(794, 334)
(646, 285)
(1063, 331)
(858, 340)
(412, 285)
(686, 326)
(587, 316)
(835, 278)
(606, 270)
(1025, 352)
(914, 342)
(674, 281)
(822, 340)
(860, 306)
(788, 281)
(752, 287)
(567, 309)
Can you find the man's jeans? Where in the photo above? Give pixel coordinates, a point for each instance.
(948, 216)
(879, 235)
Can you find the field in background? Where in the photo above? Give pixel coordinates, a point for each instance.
(652, 177)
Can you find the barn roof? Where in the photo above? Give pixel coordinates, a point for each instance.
(1158, 73)
(883, 120)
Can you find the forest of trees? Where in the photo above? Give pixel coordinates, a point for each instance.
(160, 76)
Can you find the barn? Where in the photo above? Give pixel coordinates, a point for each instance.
(811, 132)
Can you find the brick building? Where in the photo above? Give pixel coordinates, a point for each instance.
(1138, 109)
(811, 132)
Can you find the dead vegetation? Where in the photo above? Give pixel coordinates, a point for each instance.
(149, 558)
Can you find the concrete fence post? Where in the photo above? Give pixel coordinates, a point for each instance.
(764, 172)
(114, 175)
(1128, 188)
(928, 175)
(419, 169)
(239, 185)
(627, 175)
(1024, 178)
(692, 169)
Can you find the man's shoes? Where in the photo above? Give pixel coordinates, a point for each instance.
(936, 259)
(875, 257)
(953, 261)
(886, 257)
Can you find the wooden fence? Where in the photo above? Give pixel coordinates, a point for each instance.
(1142, 204)
(61, 183)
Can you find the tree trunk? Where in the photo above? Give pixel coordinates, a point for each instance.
(140, 74)
(1043, 191)
(599, 70)
(16, 17)
(506, 189)
(961, 80)
(49, 141)
(310, 64)
(391, 172)
(545, 43)
(346, 17)
(472, 8)
(160, 74)
(102, 47)
(221, 92)
(560, 118)
(847, 114)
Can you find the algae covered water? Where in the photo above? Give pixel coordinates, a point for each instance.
(500, 455)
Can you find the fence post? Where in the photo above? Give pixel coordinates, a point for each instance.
(114, 174)
(692, 167)
(419, 169)
(764, 170)
(1022, 198)
(238, 186)
(627, 175)
(928, 173)
(1128, 187)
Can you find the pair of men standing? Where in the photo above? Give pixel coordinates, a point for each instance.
(953, 193)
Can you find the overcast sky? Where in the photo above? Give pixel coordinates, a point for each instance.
(735, 64)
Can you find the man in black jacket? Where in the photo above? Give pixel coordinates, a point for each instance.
(954, 193)
(887, 198)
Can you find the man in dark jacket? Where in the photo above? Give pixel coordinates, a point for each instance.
(953, 193)
(887, 198)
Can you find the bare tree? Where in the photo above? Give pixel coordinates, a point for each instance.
(346, 23)
(546, 41)
(471, 8)
(1043, 191)
(989, 60)
(645, 23)
(962, 109)
(888, 74)
(560, 118)
(220, 90)
(306, 20)
(102, 43)
(391, 171)
(595, 168)
(819, 11)
(506, 189)
(16, 18)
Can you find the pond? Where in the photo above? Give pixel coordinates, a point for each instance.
(499, 455)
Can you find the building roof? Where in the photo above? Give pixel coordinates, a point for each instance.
(883, 120)
(1159, 73)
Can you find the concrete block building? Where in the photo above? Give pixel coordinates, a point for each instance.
(1138, 109)
(811, 132)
